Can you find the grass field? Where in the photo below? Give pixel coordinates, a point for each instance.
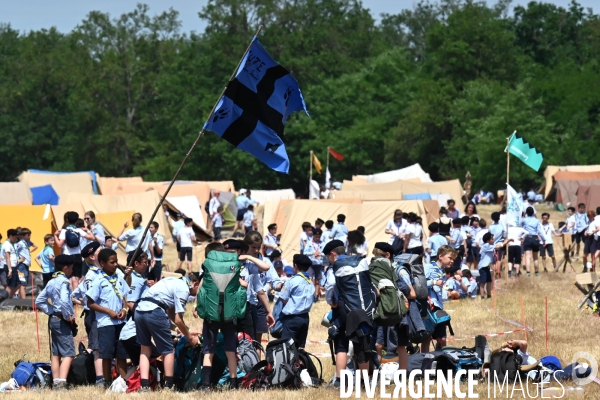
(570, 331)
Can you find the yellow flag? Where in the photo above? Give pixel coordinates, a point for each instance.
(317, 164)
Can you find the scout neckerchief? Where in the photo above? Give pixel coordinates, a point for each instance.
(187, 280)
(546, 231)
(56, 274)
(137, 274)
(113, 281)
(305, 277)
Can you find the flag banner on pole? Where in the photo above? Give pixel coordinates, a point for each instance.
(255, 106)
(317, 163)
(314, 191)
(518, 147)
(514, 206)
(327, 177)
(335, 154)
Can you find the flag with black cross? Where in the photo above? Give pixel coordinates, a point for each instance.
(255, 105)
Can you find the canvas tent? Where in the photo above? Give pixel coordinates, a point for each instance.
(262, 196)
(37, 218)
(110, 185)
(62, 183)
(144, 203)
(551, 170)
(590, 196)
(451, 188)
(367, 195)
(410, 172)
(92, 174)
(189, 206)
(566, 184)
(44, 195)
(15, 193)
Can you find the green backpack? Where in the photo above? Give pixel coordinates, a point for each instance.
(392, 305)
(221, 297)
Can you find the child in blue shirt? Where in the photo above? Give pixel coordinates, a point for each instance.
(46, 259)
(487, 259)
(435, 275)
(297, 296)
(106, 296)
(435, 241)
(62, 319)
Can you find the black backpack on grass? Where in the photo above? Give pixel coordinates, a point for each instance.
(505, 363)
(82, 371)
(307, 363)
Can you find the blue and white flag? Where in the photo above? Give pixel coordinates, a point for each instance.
(255, 106)
(514, 206)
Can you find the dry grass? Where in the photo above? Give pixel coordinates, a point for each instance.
(570, 331)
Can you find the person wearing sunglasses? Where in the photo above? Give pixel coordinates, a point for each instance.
(94, 227)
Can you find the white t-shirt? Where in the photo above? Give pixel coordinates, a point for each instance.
(479, 237)
(517, 233)
(416, 232)
(10, 247)
(213, 205)
(133, 237)
(186, 236)
(160, 243)
(398, 229)
(217, 221)
(71, 250)
(362, 249)
(248, 218)
(548, 232)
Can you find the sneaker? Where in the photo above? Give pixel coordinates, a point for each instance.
(537, 274)
(509, 274)
(336, 384)
(59, 386)
(144, 390)
(100, 383)
(528, 274)
(204, 389)
(584, 270)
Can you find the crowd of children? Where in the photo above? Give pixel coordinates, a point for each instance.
(129, 312)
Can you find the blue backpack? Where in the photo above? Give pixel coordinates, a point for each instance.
(551, 362)
(277, 329)
(354, 285)
(29, 374)
(440, 317)
(71, 237)
(465, 358)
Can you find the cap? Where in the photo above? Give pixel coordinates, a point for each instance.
(288, 270)
(90, 249)
(385, 247)
(334, 244)
(232, 244)
(242, 191)
(63, 259)
(464, 267)
(317, 231)
(278, 264)
(302, 260)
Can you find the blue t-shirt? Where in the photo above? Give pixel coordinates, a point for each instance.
(487, 255)
(103, 293)
(44, 257)
(298, 291)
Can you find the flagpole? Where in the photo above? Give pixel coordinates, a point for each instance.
(189, 153)
(327, 166)
(310, 175)
(507, 167)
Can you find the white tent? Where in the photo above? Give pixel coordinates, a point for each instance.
(412, 172)
(190, 206)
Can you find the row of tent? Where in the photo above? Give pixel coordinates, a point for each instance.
(572, 185)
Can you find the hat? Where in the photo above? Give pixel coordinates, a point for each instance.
(302, 260)
(464, 267)
(242, 191)
(317, 231)
(90, 249)
(288, 270)
(278, 264)
(232, 244)
(12, 232)
(385, 247)
(63, 259)
(334, 244)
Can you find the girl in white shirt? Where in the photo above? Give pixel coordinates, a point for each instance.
(133, 236)
(413, 243)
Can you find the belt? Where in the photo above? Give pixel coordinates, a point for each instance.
(158, 303)
(532, 236)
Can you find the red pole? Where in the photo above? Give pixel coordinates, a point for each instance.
(32, 292)
(546, 323)
(37, 330)
(523, 318)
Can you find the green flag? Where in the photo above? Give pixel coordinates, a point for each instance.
(518, 147)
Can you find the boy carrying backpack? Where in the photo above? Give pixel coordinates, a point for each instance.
(351, 295)
(221, 304)
(392, 305)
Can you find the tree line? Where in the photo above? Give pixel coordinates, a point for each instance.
(443, 84)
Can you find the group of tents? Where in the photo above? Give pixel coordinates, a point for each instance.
(572, 185)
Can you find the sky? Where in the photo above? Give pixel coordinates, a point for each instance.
(26, 15)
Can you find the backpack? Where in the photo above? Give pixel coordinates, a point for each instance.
(417, 332)
(505, 363)
(441, 317)
(309, 366)
(221, 297)
(207, 208)
(71, 237)
(392, 305)
(277, 329)
(434, 360)
(283, 357)
(134, 380)
(32, 375)
(247, 352)
(258, 377)
(354, 285)
(416, 271)
(188, 365)
(82, 371)
(466, 358)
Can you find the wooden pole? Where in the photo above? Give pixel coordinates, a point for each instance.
(546, 324)
(187, 156)
(327, 170)
(523, 318)
(310, 174)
